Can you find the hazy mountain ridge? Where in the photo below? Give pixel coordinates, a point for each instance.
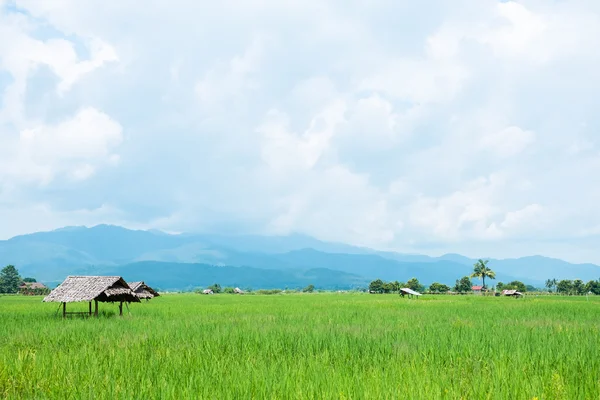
(275, 260)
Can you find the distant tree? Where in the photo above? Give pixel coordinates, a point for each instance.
(309, 289)
(9, 279)
(516, 285)
(578, 286)
(500, 286)
(593, 287)
(565, 286)
(387, 287)
(29, 280)
(551, 283)
(376, 286)
(463, 285)
(396, 286)
(414, 284)
(216, 288)
(438, 288)
(481, 270)
(228, 290)
(531, 288)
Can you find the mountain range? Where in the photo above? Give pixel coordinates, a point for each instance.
(187, 261)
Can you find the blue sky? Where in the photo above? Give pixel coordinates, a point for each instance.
(429, 127)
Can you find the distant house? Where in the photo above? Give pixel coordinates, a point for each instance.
(408, 292)
(512, 293)
(142, 290)
(32, 285)
(33, 288)
(207, 291)
(477, 289)
(108, 289)
(238, 290)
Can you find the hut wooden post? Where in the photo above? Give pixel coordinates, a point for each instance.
(121, 308)
(90, 313)
(64, 309)
(95, 308)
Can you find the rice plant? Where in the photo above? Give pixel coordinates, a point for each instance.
(304, 346)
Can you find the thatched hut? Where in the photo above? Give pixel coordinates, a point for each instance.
(511, 293)
(237, 290)
(107, 289)
(409, 292)
(33, 289)
(142, 290)
(207, 291)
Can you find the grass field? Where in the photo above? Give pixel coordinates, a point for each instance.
(338, 346)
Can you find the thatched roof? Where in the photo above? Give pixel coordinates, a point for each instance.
(88, 288)
(511, 292)
(142, 290)
(238, 290)
(32, 285)
(410, 291)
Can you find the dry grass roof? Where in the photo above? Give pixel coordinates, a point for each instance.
(142, 290)
(32, 285)
(88, 288)
(410, 291)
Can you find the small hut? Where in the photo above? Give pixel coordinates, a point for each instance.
(237, 290)
(33, 288)
(511, 293)
(409, 292)
(107, 289)
(142, 290)
(207, 291)
(477, 289)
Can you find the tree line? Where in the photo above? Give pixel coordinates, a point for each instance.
(482, 271)
(11, 282)
(574, 287)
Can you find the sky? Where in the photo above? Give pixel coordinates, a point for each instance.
(427, 127)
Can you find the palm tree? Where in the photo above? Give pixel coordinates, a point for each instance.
(550, 283)
(482, 271)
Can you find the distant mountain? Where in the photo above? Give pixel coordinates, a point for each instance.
(171, 276)
(275, 260)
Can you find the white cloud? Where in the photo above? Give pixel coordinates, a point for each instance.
(229, 81)
(508, 141)
(74, 148)
(332, 119)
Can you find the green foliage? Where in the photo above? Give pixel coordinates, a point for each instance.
(323, 346)
(376, 286)
(438, 288)
(578, 286)
(481, 270)
(229, 290)
(414, 284)
(216, 288)
(29, 280)
(9, 279)
(463, 285)
(379, 286)
(593, 287)
(565, 286)
(309, 289)
(35, 291)
(516, 285)
(551, 283)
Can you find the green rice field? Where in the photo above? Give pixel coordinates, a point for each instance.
(304, 346)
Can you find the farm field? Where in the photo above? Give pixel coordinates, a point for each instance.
(305, 346)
